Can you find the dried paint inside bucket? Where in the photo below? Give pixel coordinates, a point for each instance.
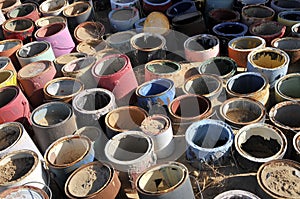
(50, 30)
(33, 49)
(7, 95)
(88, 180)
(110, 66)
(202, 43)
(161, 179)
(246, 43)
(78, 64)
(289, 86)
(123, 14)
(64, 87)
(76, 9)
(4, 62)
(268, 59)
(16, 166)
(51, 114)
(245, 84)
(9, 135)
(155, 125)
(22, 11)
(68, 151)
(229, 29)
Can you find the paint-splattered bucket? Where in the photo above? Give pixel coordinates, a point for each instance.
(44, 21)
(271, 62)
(14, 137)
(62, 89)
(258, 143)
(165, 181)
(155, 94)
(33, 77)
(117, 4)
(27, 10)
(187, 109)
(252, 14)
(93, 180)
(123, 119)
(81, 69)
(89, 30)
(91, 106)
(21, 167)
(208, 141)
(91, 46)
(130, 152)
(66, 154)
(287, 88)
(52, 7)
(7, 78)
(249, 84)
(51, 121)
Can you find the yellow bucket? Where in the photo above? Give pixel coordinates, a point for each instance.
(7, 78)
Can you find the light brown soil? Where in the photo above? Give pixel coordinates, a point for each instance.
(282, 180)
(8, 135)
(15, 169)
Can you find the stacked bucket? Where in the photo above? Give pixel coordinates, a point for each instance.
(131, 99)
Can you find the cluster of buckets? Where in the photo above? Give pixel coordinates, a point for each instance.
(95, 95)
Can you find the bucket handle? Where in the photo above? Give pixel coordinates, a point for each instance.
(36, 182)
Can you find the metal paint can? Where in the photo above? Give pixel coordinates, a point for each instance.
(33, 77)
(27, 10)
(115, 4)
(44, 21)
(174, 182)
(24, 191)
(66, 154)
(35, 51)
(92, 105)
(158, 6)
(290, 45)
(181, 7)
(54, 34)
(6, 64)
(52, 121)
(287, 88)
(271, 62)
(52, 7)
(8, 5)
(81, 69)
(60, 61)
(159, 128)
(123, 18)
(89, 30)
(8, 49)
(7, 78)
(91, 46)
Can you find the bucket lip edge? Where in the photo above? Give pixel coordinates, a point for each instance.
(21, 133)
(274, 41)
(39, 21)
(169, 89)
(280, 81)
(30, 44)
(147, 34)
(22, 6)
(77, 60)
(16, 19)
(10, 190)
(49, 67)
(53, 11)
(14, 88)
(162, 61)
(262, 45)
(88, 8)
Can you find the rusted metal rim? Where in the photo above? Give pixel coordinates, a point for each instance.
(81, 4)
(282, 28)
(26, 68)
(145, 35)
(30, 22)
(196, 37)
(233, 44)
(275, 42)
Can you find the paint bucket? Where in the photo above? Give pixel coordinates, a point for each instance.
(249, 84)
(239, 112)
(213, 4)
(14, 137)
(290, 45)
(115, 73)
(27, 10)
(172, 70)
(52, 7)
(7, 78)
(25, 191)
(99, 180)
(240, 47)
(6, 65)
(60, 61)
(77, 13)
(208, 141)
(220, 15)
(288, 18)
(258, 143)
(223, 67)
(91, 106)
(8, 5)
(89, 30)
(237, 194)
(98, 139)
(187, 109)
(201, 47)
(66, 154)
(54, 34)
(124, 118)
(148, 47)
(81, 69)
(207, 85)
(252, 14)
(14, 106)
(287, 88)
(120, 41)
(35, 51)
(155, 94)
(130, 153)
(117, 4)
(296, 147)
(33, 77)
(159, 128)
(179, 8)
(167, 181)
(18, 28)
(279, 173)
(271, 62)
(52, 121)
(91, 46)
(156, 6)
(8, 49)
(282, 5)
(268, 30)
(62, 89)
(21, 167)
(226, 31)
(123, 18)
(185, 24)
(44, 21)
